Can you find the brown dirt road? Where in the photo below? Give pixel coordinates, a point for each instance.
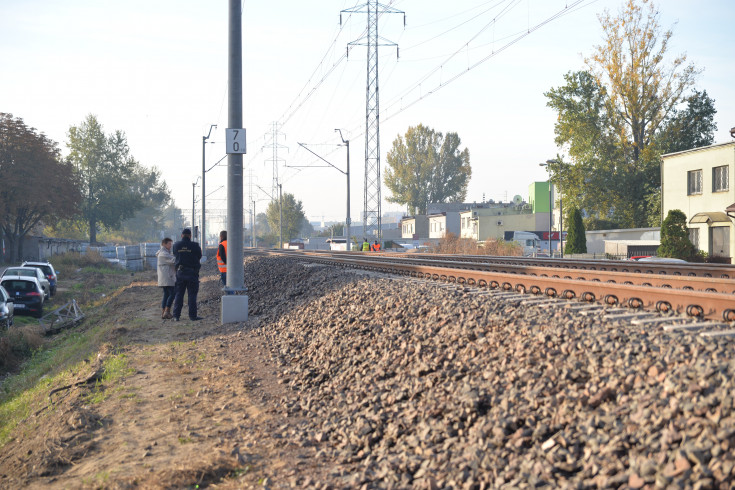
(199, 404)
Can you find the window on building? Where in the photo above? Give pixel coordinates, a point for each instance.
(694, 182)
(694, 237)
(721, 178)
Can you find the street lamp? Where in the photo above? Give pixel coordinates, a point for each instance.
(204, 215)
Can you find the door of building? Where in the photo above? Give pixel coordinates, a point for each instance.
(719, 241)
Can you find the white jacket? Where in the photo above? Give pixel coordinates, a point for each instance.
(166, 270)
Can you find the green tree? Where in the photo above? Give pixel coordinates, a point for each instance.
(692, 127)
(37, 186)
(610, 116)
(427, 167)
(148, 222)
(293, 216)
(674, 237)
(576, 238)
(107, 172)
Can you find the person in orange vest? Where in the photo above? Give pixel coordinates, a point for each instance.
(222, 257)
(375, 247)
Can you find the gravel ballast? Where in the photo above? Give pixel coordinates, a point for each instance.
(406, 384)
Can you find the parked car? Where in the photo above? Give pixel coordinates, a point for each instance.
(48, 270)
(31, 272)
(661, 260)
(6, 309)
(26, 293)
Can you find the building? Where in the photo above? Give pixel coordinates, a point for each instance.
(697, 182)
(442, 223)
(479, 224)
(415, 227)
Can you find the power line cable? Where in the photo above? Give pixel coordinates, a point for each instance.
(441, 85)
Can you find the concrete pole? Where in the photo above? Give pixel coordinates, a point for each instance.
(204, 193)
(235, 271)
(193, 210)
(347, 221)
(280, 215)
(551, 214)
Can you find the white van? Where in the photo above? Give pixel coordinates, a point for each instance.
(529, 241)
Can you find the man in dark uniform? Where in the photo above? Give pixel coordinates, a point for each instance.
(188, 255)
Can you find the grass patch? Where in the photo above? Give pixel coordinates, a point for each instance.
(39, 362)
(115, 368)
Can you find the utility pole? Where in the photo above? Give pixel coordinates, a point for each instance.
(280, 215)
(347, 173)
(252, 227)
(372, 219)
(193, 209)
(348, 242)
(234, 307)
(204, 194)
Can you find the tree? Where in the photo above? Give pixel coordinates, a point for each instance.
(675, 238)
(576, 237)
(262, 226)
(148, 222)
(692, 127)
(107, 172)
(610, 116)
(427, 168)
(293, 216)
(37, 186)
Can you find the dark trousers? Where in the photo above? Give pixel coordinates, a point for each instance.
(223, 278)
(186, 281)
(168, 296)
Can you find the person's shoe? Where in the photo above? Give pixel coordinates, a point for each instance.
(196, 318)
(163, 313)
(176, 318)
(167, 314)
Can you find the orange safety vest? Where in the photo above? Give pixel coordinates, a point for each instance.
(376, 247)
(221, 263)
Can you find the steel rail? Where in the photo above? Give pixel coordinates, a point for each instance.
(722, 271)
(702, 304)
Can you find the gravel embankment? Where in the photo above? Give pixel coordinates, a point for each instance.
(413, 385)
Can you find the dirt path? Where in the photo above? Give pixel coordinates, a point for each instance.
(198, 403)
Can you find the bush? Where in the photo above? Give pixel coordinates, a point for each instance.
(576, 238)
(17, 344)
(675, 241)
(452, 244)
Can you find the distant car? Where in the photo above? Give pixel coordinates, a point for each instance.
(6, 309)
(48, 270)
(26, 293)
(31, 272)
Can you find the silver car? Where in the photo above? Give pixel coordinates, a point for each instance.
(31, 272)
(6, 309)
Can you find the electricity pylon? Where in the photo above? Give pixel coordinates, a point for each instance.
(371, 223)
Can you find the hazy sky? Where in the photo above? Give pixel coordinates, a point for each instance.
(157, 69)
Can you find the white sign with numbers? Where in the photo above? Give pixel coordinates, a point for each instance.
(235, 140)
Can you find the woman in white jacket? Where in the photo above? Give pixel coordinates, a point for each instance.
(166, 276)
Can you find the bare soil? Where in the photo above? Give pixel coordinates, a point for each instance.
(198, 405)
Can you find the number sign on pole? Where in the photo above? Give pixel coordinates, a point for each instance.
(235, 140)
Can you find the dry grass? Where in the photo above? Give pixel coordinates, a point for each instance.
(452, 244)
(18, 344)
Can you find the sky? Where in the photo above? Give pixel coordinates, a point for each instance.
(157, 70)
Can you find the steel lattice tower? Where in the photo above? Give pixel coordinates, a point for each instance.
(275, 146)
(371, 223)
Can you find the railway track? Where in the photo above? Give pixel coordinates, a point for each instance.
(706, 292)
